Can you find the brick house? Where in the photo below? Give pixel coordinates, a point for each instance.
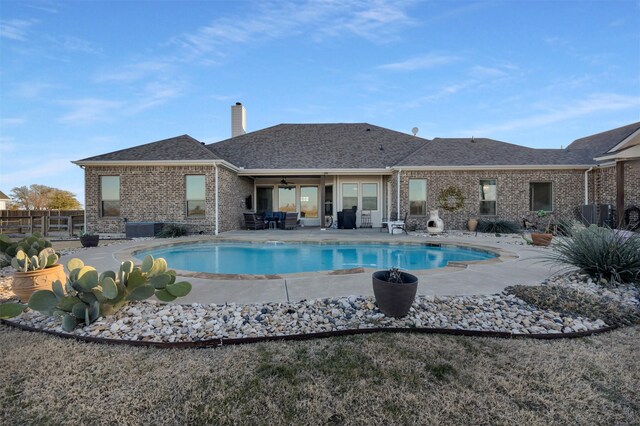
(319, 169)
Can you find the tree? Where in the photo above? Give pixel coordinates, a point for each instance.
(63, 200)
(42, 197)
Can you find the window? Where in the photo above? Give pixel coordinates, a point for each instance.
(369, 196)
(488, 197)
(195, 195)
(540, 196)
(287, 198)
(418, 197)
(349, 195)
(264, 199)
(110, 195)
(309, 201)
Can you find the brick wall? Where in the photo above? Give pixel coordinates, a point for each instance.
(602, 184)
(512, 193)
(158, 194)
(232, 194)
(632, 183)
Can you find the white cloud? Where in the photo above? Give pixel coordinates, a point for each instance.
(375, 20)
(133, 72)
(153, 94)
(32, 89)
(15, 29)
(75, 44)
(89, 110)
(427, 61)
(7, 144)
(12, 121)
(595, 103)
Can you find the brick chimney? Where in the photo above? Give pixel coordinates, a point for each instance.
(238, 120)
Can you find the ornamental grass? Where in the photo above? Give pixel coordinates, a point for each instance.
(601, 253)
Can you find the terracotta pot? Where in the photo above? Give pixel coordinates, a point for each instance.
(541, 239)
(89, 240)
(25, 283)
(472, 224)
(394, 299)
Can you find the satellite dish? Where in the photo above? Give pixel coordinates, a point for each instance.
(414, 131)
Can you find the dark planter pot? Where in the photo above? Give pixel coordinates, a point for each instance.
(394, 299)
(89, 240)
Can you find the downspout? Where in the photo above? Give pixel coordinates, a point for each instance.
(216, 200)
(586, 186)
(398, 194)
(84, 226)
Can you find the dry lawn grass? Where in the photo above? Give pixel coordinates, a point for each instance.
(372, 379)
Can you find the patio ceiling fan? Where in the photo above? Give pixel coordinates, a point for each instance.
(284, 181)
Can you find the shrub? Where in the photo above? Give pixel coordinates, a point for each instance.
(498, 227)
(601, 253)
(172, 230)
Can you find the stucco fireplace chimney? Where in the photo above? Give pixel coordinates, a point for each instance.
(238, 120)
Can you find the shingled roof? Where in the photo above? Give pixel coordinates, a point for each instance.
(3, 196)
(179, 148)
(488, 152)
(318, 146)
(601, 143)
(363, 146)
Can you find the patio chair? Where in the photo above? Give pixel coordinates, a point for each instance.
(253, 221)
(400, 224)
(290, 221)
(385, 220)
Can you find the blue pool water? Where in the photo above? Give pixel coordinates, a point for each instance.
(281, 258)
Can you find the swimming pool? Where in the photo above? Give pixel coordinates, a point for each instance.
(285, 258)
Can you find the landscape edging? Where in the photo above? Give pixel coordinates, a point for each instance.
(218, 342)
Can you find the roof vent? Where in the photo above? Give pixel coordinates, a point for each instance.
(202, 143)
(473, 140)
(368, 130)
(414, 131)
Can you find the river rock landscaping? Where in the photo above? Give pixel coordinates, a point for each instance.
(157, 322)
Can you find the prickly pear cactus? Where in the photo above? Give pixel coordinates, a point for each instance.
(29, 254)
(88, 295)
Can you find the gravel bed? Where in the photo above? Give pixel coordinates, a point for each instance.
(158, 322)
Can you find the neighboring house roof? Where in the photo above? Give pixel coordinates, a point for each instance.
(488, 152)
(3, 196)
(601, 143)
(179, 148)
(318, 146)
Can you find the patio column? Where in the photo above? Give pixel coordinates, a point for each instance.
(322, 200)
(620, 192)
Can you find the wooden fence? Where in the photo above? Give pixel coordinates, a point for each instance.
(47, 222)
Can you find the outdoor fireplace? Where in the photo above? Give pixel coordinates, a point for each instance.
(435, 225)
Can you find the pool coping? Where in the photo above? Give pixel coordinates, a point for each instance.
(452, 266)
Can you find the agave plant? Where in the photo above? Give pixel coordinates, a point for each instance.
(87, 295)
(600, 252)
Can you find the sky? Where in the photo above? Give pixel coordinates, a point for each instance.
(84, 78)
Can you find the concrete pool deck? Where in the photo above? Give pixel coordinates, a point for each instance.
(518, 264)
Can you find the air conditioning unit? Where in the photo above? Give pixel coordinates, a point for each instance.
(589, 214)
(605, 216)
